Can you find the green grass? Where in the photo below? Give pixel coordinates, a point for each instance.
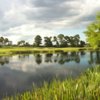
(18, 50)
(85, 87)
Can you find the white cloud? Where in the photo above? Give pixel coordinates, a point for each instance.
(23, 19)
(28, 32)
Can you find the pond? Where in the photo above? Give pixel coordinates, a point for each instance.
(18, 73)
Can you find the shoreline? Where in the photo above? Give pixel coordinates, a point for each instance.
(22, 50)
(86, 86)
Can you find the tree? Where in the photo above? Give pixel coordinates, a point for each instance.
(38, 40)
(21, 43)
(27, 44)
(67, 38)
(71, 41)
(61, 37)
(82, 43)
(62, 40)
(1, 40)
(76, 40)
(93, 33)
(56, 41)
(10, 43)
(6, 41)
(48, 42)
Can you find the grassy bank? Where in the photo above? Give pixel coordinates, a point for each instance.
(18, 50)
(85, 87)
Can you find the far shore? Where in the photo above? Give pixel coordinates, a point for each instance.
(21, 50)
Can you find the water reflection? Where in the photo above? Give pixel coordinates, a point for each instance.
(94, 57)
(19, 72)
(82, 53)
(4, 60)
(48, 57)
(97, 57)
(60, 58)
(38, 58)
(23, 56)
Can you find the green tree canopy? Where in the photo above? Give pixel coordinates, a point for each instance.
(48, 41)
(38, 40)
(21, 43)
(93, 32)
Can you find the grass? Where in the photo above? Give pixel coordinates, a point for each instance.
(18, 50)
(85, 87)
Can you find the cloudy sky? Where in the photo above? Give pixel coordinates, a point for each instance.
(23, 19)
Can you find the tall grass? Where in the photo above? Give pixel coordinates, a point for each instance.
(85, 87)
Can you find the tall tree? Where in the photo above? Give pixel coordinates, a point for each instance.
(6, 41)
(76, 40)
(10, 43)
(1, 41)
(56, 41)
(21, 43)
(27, 44)
(38, 40)
(48, 41)
(93, 32)
(71, 41)
(67, 38)
(62, 40)
(82, 43)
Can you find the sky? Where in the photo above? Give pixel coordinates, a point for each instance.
(24, 19)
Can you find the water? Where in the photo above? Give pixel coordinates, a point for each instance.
(18, 73)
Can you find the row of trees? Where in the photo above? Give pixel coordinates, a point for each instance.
(55, 41)
(5, 41)
(23, 43)
(92, 33)
(59, 41)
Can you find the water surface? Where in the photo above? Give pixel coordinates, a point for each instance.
(18, 73)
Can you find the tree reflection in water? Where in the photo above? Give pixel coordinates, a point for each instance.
(38, 58)
(4, 60)
(94, 59)
(97, 57)
(82, 53)
(23, 56)
(48, 57)
(60, 58)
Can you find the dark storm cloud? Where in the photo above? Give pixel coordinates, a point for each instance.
(51, 10)
(46, 12)
(47, 3)
(51, 14)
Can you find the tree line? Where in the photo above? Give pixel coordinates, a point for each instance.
(5, 41)
(92, 33)
(54, 41)
(59, 41)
